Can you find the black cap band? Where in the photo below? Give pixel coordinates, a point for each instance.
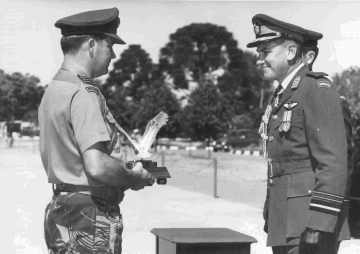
(110, 28)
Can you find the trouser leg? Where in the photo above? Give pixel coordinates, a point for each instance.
(293, 249)
(327, 245)
(76, 224)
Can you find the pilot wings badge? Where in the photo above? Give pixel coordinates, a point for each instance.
(285, 125)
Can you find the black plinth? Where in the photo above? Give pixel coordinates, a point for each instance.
(201, 241)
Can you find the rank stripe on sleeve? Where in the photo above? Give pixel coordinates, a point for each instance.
(326, 202)
(324, 209)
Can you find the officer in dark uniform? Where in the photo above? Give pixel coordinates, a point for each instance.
(304, 142)
(77, 137)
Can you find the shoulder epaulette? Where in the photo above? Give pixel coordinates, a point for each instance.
(323, 79)
(317, 75)
(92, 89)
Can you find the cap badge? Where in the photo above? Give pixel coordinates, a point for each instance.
(257, 29)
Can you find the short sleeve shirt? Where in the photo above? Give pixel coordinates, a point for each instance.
(73, 116)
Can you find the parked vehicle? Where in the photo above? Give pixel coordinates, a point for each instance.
(221, 145)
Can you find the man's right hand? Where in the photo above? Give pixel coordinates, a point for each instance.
(141, 177)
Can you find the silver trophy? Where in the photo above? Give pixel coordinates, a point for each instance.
(143, 145)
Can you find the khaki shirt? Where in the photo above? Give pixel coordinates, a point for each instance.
(73, 116)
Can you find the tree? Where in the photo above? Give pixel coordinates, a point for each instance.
(207, 115)
(348, 85)
(158, 97)
(126, 84)
(20, 96)
(135, 92)
(133, 71)
(197, 49)
(244, 121)
(208, 54)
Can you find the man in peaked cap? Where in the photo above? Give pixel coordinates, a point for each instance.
(304, 138)
(77, 136)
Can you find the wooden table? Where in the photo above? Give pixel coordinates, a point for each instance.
(201, 241)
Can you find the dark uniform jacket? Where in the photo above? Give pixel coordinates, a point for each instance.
(307, 167)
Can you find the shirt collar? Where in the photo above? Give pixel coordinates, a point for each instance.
(289, 77)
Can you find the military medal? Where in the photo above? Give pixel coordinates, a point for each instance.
(286, 120)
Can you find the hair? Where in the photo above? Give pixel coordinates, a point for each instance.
(71, 44)
(306, 48)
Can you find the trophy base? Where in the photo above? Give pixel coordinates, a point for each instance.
(159, 173)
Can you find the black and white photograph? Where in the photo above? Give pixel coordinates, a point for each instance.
(180, 127)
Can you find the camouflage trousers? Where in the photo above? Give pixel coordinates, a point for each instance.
(77, 223)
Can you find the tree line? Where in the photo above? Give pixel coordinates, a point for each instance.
(203, 80)
(20, 96)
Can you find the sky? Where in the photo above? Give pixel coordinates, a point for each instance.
(29, 42)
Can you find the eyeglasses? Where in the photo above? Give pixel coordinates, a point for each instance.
(265, 48)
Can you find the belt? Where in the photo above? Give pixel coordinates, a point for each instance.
(105, 198)
(66, 187)
(289, 167)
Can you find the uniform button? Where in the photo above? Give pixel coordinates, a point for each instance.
(275, 117)
(309, 191)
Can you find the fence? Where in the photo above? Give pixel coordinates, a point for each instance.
(224, 175)
(221, 175)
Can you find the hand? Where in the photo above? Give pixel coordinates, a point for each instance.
(311, 236)
(309, 241)
(141, 176)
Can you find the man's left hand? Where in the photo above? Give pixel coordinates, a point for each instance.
(311, 236)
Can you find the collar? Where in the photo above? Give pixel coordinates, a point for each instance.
(69, 75)
(66, 76)
(289, 77)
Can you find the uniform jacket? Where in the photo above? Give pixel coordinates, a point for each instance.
(307, 167)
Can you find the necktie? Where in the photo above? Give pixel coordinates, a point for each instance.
(276, 95)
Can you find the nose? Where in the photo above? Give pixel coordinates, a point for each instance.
(261, 55)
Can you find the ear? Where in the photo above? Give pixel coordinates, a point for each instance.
(292, 51)
(92, 45)
(309, 57)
